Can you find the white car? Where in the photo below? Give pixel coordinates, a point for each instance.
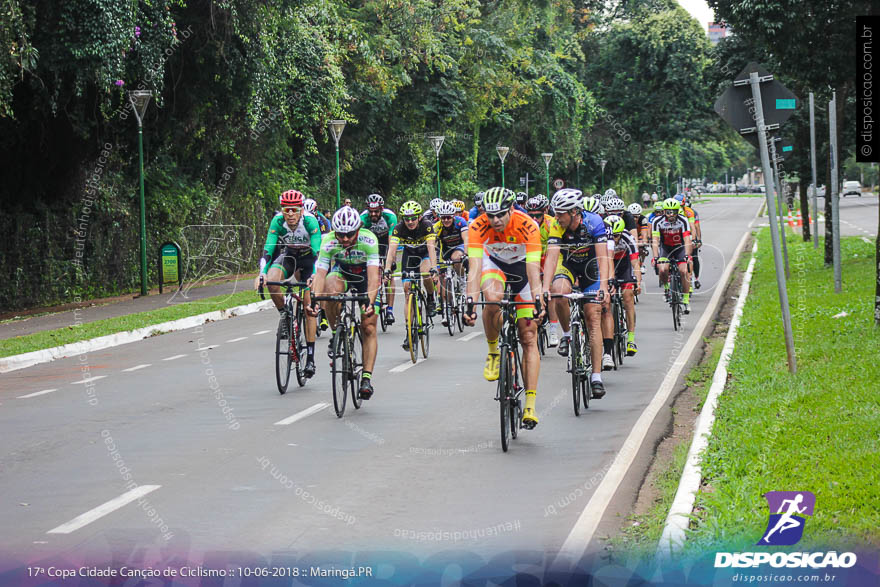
(851, 188)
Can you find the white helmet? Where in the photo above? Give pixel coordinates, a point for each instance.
(435, 204)
(611, 193)
(345, 220)
(566, 199)
(446, 209)
(615, 204)
(635, 209)
(309, 205)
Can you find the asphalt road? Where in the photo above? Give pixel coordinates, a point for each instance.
(419, 468)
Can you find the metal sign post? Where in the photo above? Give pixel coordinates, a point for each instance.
(835, 198)
(777, 184)
(755, 83)
(815, 185)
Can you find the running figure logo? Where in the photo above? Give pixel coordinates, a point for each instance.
(787, 511)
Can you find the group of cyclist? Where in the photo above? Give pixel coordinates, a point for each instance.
(533, 251)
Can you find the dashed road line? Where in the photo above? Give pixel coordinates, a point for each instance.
(261, 332)
(236, 339)
(303, 414)
(36, 393)
(404, 366)
(103, 509)
(89, 380)
(137, 367)
(208, 348)
(173, 357)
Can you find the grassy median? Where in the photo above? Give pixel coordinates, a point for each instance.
(75, 333)
(816, 430)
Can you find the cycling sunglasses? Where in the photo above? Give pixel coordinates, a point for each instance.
(447, 217)
(346, 234)
(292, 209)
(496, 214)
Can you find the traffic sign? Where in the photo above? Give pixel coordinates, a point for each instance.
(736, 106)
(558, 184)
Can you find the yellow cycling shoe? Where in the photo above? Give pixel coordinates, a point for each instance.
(493, 367)
(530, 418)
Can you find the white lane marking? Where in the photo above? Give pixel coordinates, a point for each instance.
(207, 348)
(173, 357)
(404, 366)
(103, 509)
(36, 393)
(136, 367)
(303, 414)
(89, 380)
(261, 332)
(236, 339)
(584, 528)
(470, 336)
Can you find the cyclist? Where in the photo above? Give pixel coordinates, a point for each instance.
(672, 242)
(416, 234)
(311, 206)
(504, 248)
(431, 213)
(381, 222)
(697, 232)
(478, 206)
(291, 245)
(627, 277)
(617, 207)
(536, 208)
(349, 261)
(643, 230)
(461, 209)
(451, 231)
(577, 258)
(658, 211)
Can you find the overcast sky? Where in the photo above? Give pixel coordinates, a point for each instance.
(699, 10)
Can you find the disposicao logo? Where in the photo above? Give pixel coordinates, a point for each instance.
(785, 527)
(787, 510)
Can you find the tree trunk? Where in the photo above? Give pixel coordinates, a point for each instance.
(877, 264)
(805, 210)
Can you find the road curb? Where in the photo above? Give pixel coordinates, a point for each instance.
(24, 360)
(677, 520)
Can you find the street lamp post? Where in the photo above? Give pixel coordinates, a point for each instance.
(603, 162)
(667, 182)
(336, 128)
(139, 101)
(502, 153)
(547, 157)
(437, 142)
(578, 163)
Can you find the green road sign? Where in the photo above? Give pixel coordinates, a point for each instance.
(169, 265)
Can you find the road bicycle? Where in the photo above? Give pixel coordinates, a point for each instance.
(580, 364)
(290, 340)
(454, 298)
(347, 349)
(418, 322)
(510, 387)
(618, 315)
(674, 296)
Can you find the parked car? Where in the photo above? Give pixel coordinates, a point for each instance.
(742, 189)
(851, 188)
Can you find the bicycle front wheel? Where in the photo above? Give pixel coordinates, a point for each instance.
(299, 345)
(574, 366)
(504, 383)
(449, 305)
(356, 363)
(338, 369)
(283, 359)
(423, 326)
(412, 335)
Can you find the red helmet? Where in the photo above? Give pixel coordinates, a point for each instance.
(291, 198)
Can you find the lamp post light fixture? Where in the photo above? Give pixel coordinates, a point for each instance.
(139, 101)
(502, 153)
(437, 142)
(336, 128)
(603, 162)
(547, 157)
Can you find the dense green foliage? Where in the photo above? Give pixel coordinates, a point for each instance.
(244, 92)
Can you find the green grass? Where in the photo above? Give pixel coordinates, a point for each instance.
(75, 333)
(816, 430)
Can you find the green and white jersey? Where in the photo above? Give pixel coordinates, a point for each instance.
(382, 227)
(364, 253)
(300, 240)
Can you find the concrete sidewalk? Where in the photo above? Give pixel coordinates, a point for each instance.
(121, 307)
